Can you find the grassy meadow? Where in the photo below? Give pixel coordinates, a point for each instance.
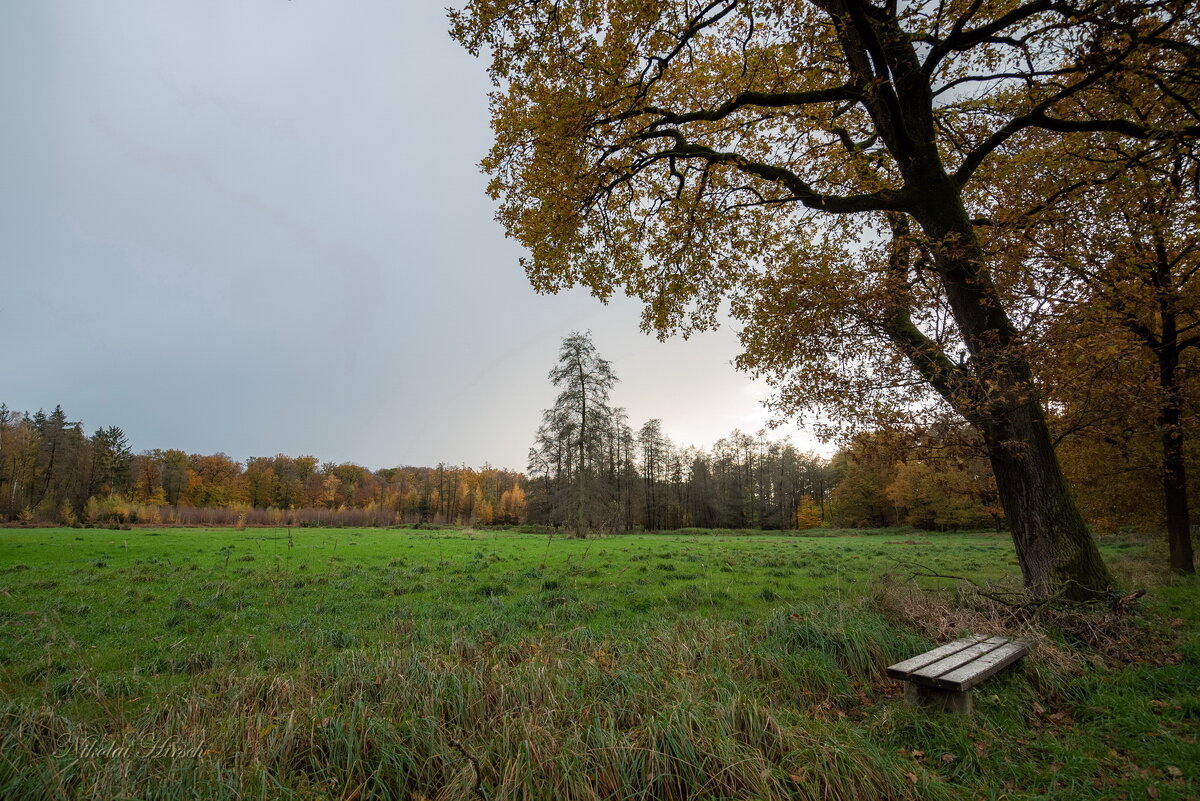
(363, 664)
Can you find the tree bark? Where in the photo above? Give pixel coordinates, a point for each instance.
(1174, 476)
(1054, 547)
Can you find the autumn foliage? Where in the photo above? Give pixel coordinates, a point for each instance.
(50, 471)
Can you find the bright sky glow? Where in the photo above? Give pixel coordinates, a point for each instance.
(259, 227)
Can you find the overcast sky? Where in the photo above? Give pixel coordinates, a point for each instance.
(258, 226)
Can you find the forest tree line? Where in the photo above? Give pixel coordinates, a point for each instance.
(590, 469)
(52, 472)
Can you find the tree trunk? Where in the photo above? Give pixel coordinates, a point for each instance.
(1179, 529)
(1170, 424)
(583, 434)
(994, 390)
(1054, 547)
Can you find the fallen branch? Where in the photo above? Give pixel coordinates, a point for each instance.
(1022, 602)
(457, 746)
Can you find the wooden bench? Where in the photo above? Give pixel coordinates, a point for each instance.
(943, 678)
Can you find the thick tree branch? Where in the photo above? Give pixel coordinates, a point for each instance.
(1027, 76)
(930, 360)
(883, 200)
(835, 94)
(1134, 130)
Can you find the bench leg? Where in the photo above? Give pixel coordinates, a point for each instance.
(934, 698)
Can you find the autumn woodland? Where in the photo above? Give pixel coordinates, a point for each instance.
(633, 478)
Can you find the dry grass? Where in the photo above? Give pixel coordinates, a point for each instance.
(664, 720)
(1067, 638)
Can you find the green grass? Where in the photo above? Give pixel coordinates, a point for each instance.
(330, 663)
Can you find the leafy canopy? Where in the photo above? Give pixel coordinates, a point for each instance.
(768, 155)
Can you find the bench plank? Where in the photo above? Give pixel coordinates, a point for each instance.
(967, 676)
(957, 660)
(901, 670)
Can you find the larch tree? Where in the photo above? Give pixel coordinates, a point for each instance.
(573, 432)
(816, 163)
(111, 462)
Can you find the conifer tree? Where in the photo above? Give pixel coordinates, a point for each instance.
(572, 434)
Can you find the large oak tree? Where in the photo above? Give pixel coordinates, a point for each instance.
(817, 163)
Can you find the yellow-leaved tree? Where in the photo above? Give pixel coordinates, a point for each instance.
(816, 164)
(808, 514)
